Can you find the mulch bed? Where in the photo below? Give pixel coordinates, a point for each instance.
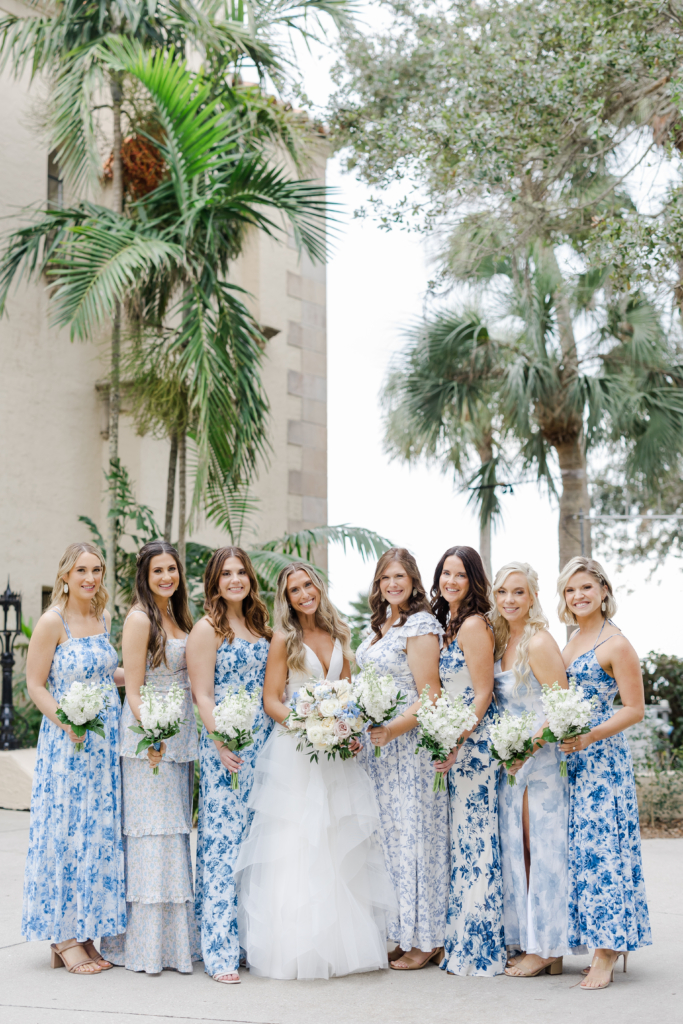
(672, 829)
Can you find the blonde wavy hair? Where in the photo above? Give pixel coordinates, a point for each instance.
(535, 622)
(66, 564)
(326, 617)
(582, 564)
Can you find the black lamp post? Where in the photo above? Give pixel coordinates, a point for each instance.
(9, 633)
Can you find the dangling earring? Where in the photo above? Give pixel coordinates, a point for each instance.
(414, 591)
(66, 588)
(603, 606)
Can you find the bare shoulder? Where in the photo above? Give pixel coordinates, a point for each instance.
(203, 628)
(543, 643)
(617, 646)
(278, 645)
(474, 627)
(49, 627)
(137, 624)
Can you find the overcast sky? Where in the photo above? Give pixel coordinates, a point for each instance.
(376, 283)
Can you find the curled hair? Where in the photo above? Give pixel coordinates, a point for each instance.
(582, 564)
(66, 564)
(144, 598)
(477, 600)
(417, 601)
(215, 605)
(326, 617)
(535, 623)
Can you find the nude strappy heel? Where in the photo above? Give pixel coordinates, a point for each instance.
(624, 953)
(57, 958)
(92, 951)
(598, 961)
(552, 968)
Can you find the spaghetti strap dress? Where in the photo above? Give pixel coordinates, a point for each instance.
(157, 822)
(607, 900)
(224, 812)
(74, 876)
(536, 919)
(474, 942)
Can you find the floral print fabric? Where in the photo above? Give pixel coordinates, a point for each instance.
(535, 922)
(74, 876)
(224, 813)
(607, 901)
(474, 940)
(413, 819)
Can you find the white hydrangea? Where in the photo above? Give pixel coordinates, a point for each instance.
(510, 733)
(82, 702)
(568, 711)
(374, 694)
(445, 720)
(236, 713)
(161, 714)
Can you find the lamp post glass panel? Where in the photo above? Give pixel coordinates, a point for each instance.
(10, 603)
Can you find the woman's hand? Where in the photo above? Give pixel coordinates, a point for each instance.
(444, 766)
(155, 756)
(519, 763)
(71, 734)
(380, 735)
(575, 743)
(355, 745)
(229, 758)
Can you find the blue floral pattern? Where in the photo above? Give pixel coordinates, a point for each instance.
(535, 921)
(413, 819)
(607, 901)
(224, 813)
(474, 940)
(74, 877)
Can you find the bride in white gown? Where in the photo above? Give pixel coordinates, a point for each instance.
(313, 884)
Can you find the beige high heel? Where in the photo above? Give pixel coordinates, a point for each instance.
(555, 967)
(623, 953)
(57, 958)
(435, 957)
(94, 954)
(597, 962)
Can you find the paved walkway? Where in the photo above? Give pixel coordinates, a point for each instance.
(30, 993)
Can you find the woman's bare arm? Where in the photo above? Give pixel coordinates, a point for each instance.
(276, 680)
(41, 650)
(423, 660)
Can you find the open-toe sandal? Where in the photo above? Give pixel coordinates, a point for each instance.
(57, 958)
(223, 980)
(552, 968)
(92, 951)
(435, 957)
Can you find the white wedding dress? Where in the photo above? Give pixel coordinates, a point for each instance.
(313, 886)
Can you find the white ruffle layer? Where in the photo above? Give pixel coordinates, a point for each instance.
(314, 889)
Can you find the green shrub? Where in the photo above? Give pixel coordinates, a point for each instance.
(663, 679)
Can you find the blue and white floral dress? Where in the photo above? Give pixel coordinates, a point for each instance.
(607, 901)
(157, 823)
(74, 877)
(224, 813)
(474, 942)
(536, 921)
(414, 819)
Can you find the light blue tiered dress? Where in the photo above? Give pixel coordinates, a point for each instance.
(157, 824)
(607, 901)
(74, 877)
(537, 921)
(413, 818)
(474, 942)
(224, 813)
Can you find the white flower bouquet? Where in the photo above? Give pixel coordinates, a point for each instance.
(80, 709)
(511, 739)
(378, 698)
(234, 721)
(160, 717)
(325, 718)
(568, 713)
(441, 724)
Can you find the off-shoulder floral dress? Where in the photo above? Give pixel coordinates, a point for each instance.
(157, 823)
(74, 877)
(607, 900)
(413, 818)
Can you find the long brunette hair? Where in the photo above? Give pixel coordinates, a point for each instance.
(215, 605)
(417, 602)
(177, 604)
(477, 600)
(326, 617)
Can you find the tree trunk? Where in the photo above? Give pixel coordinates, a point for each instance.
(170, 486)
(115, 370)
(182, 495)
(485, 547)
(575, 534)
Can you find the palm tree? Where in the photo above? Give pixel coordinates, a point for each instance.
(440, 400)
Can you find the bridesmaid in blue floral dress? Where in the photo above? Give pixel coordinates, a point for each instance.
(532, 814)
(474, 943)
(607, 901)
(74, 879)
(405, 643)
(157, 809)
(227, 649)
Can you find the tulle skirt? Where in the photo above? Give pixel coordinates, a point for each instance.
(314, 889)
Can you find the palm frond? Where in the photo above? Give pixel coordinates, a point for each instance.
(367, 543)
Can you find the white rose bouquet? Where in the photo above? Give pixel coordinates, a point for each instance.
(234, 721)
(441, 724)
(160, 717)
(80, 709)
(377, 697)
(325, 718)
(511, 739)
(568, 713)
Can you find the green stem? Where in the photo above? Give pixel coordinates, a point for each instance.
(234, 780)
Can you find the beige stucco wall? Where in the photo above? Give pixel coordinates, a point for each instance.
(52, 449)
